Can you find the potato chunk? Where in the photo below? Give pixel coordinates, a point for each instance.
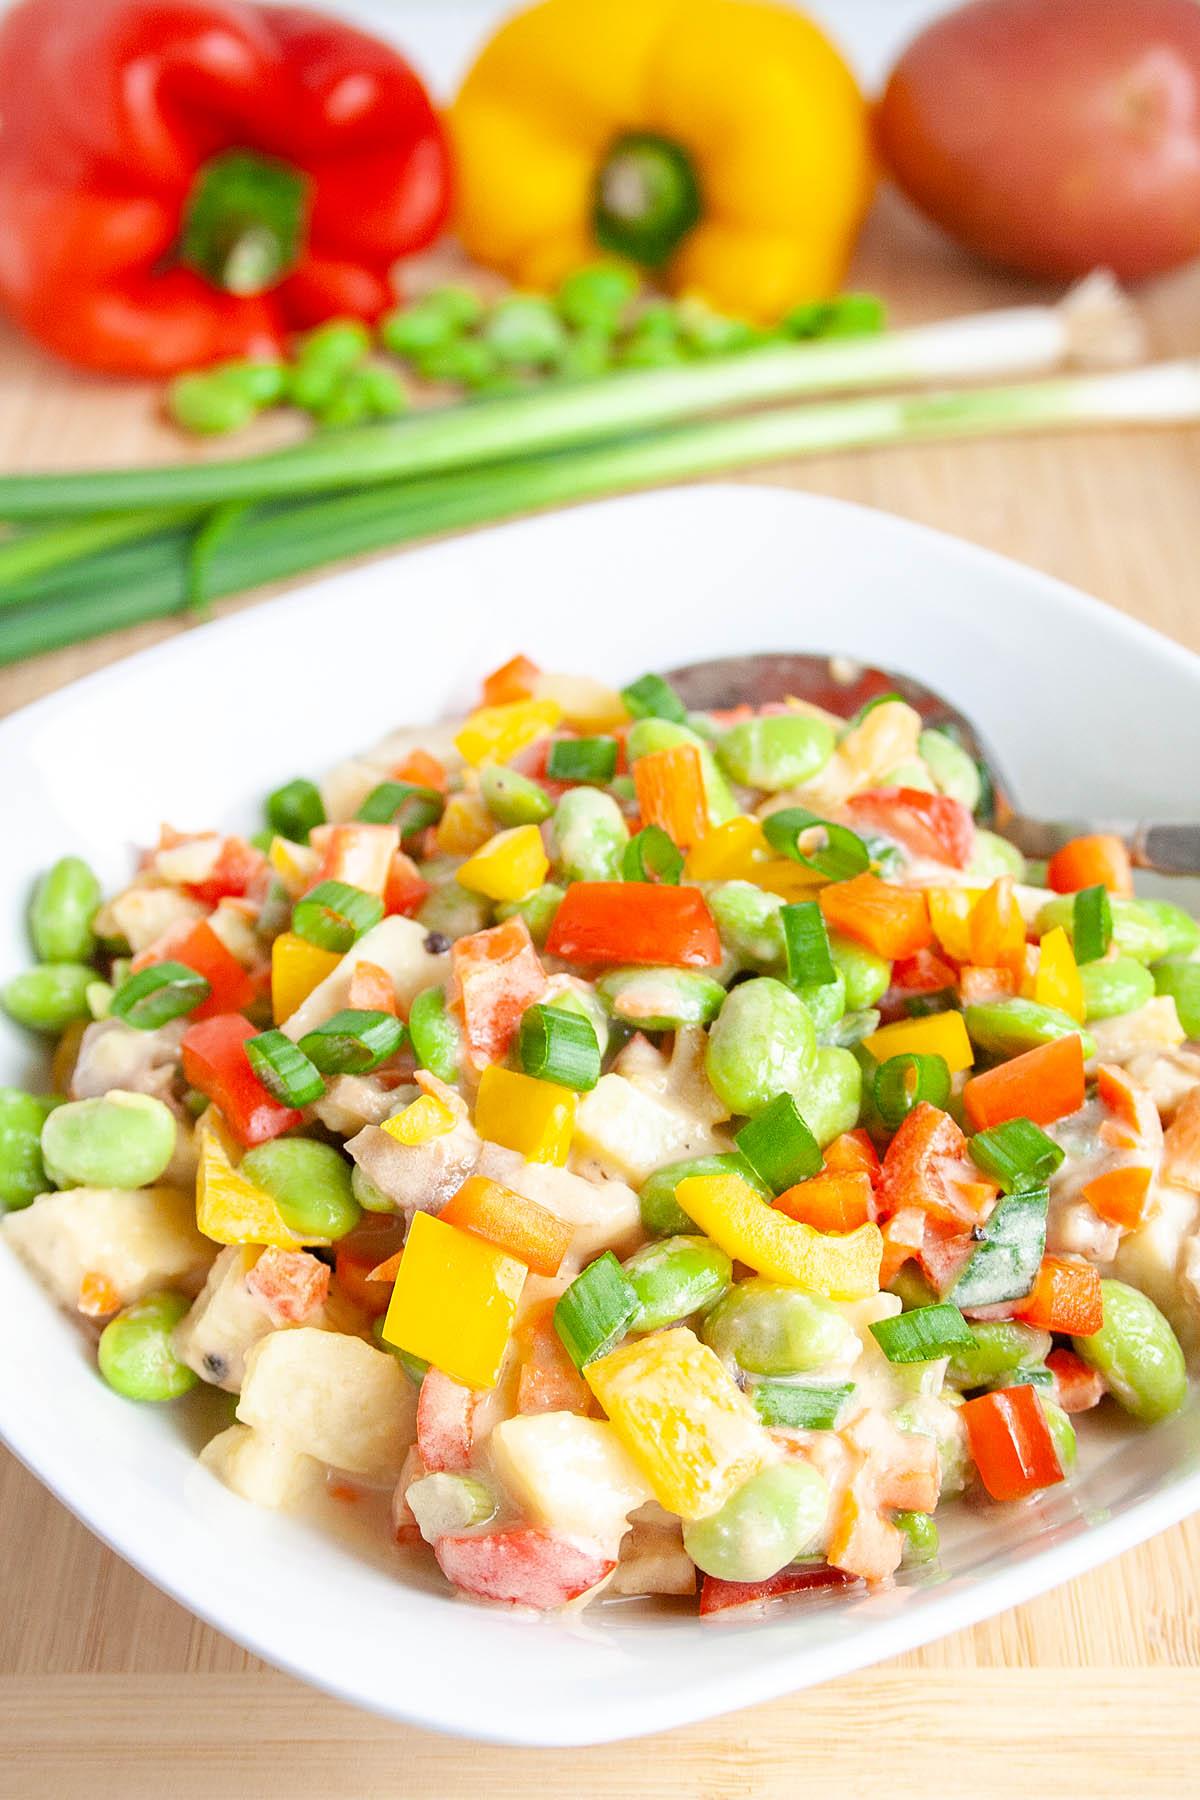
(333, 1397)
(256, 1467)
(138, 1239)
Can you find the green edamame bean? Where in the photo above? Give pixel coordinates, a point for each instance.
(1137, 929)
(661, 999)
(768, 1329)
(584, 356)
(22, 1174)
(348, 401)
(675, 1277)
(662, 1214)
(921, 1536)
(415, 330)
(61, 911)
(1062, 1431)
(910, 775)
(593, 298)
(747, 918)
(462, 306)
(1115, 987)
(136, 1355)
(525, 332)
(770, 1521)
(512, 798)
(762, 1043)
(867, 976)
(1182, 931)
(338, 344)
(209, 403)
(710, 333)
(537, 909)
(369, 1197)
(954, 772)
(49, 996)
(1137, 1353)
(309, 1183)
(991, 857)
(649, 735)
(114, 1140)
(454, 911)
(830, 1097)
(583, 999)
(781, 751)
(912, 1288)
(434, 1035)
(1000, 1346)
(826, 1004)
(1180, 977)
(590, 835)
(1009, 1027)
(937, 1417)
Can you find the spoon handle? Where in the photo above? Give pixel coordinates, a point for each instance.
(1167, 849)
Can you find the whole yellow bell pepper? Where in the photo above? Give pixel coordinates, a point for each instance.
(723, 144)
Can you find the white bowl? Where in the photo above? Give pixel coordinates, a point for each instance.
(1090, 713)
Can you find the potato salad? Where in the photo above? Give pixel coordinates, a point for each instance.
(664, 1153)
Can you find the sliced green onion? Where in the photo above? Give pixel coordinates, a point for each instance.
(789, 1407)
(401, 803)
(922, 1335)
(652, 855)
(809, 958)
(559, 1046)
(923, 1006)
(1004, 1265)
(779, 1146)
(594, 1313)
(1017, 1154)
(869, 706)
(294, 809)
(283, 1069)
(1093, 924)
(583, 759)
(902, 1082)
(650, 697)
(842, 855)
(156, 995)
(353, 1042)
(335, 915)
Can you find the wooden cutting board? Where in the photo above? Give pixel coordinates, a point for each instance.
(108, 1690)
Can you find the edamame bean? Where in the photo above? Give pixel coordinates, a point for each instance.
(466, 361)
(1182, 931)
(1009, 1027)
(454, 911)
(337, 344)
(991, 857)
(512, 798)
(1137, 1353)
(348, 401)
(1062, 1431)
(435, 1037)
(921, 1537)
(781, 751)
(22, 1175)
(462, 306)
(662, 1214)
(1137, 931)
(675, 1277)
(369, 1197)
(415, 330)
(209, 403)
(768, 1329)
(661, 999)
(936, 1416)
(587, 354)
(910, 775)
(954, 772)
(593, 298)
(1000, 1346)
(761, 1044)
(61, 912)
(747, 918)
(770, 1521)
(114, 1140)
(649, 735)
(867, 976)
(912, 1288)
(525, 332)
(1115, 987)
(537, 909)
(309, 1183)
(49, 996)
(826, 1004)
(830, 1097)
(1180, 977)
(589, 836)
(135, 1352)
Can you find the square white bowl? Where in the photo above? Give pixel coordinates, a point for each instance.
(1090, 713)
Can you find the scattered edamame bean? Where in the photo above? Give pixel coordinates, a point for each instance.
(454, 911)
(135, 1352)
(590, 835)
(826, 1004)
(1119, 986)
(867, 976)
(536, 908)
(512, 798)
(1009, 1027)
(768, 1329)
(50, 996)
(1180, 977)
(662, 1214)
(1000, 1346)
(1182, 931)
(921, 1537)
(780, 751)
(747, 918)
(369, 1197)
(466, 361)
(22, 1175)
(593, 298)
(992, 857)
(211, 402)
(830, 1097)
(1137, 930)
(113, 1140)
(1137, 1353)
(1062, 1431)
(648, 735)
(661, 999)
(434, 1034)
(525, 332)
(675, 1277)
(952, 769)
(770, 1521)
(61, 912)
(414, 330)
(309, 1183)
(762, 1043)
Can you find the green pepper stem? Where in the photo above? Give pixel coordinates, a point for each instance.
(244, 222)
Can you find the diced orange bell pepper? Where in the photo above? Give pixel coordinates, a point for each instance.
(289, 1285)
(1135, 1123)
(830, 1201)
(670, 793)
(454, 1301)
(853, 1153)
(371, 989)
(98, 1298)
(637, 922)
(1101, 860)
(928, 1165)
(863, 1542)
(1043, 1085)
(938, 1034)
(734, 1216)
(355, 1267)
(518, 1226)
(1120, 1195)
(422, 770)
(891, 921)
(495, 975)
(1066, 1297)
(997, 928)
(1011, 1443)
(1181, 1144)
(513, 680)
(979, 987)
(549, 1380)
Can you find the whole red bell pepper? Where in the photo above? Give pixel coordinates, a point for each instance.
(187, 180)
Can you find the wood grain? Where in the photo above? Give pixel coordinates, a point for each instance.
(107, 1688)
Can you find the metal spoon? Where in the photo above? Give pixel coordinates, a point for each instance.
(842, 684)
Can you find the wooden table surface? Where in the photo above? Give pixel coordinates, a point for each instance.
(108, 1689)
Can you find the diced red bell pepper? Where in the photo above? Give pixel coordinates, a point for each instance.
(802, 1578)
(927, 1165)
(513, 680)
(526, 1567)
(234, 873)
(853, 1152)
(635, 922)
(1077, 1386)
(405, 889)
(930, 825)
(495, 975)
(359, 855)
(215, 1063)
(924, 973)
(1011, 1443)
(903, 1237)
(355, 1262)
(891, 921)
(289, 1285)
(195, 943)
(1043, 1085)
(445, 1422)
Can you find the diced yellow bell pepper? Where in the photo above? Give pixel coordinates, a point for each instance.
(295, 864)
(297, 967)
(728, 1210)
(1057, 981)
(997, 929)
(230, 1209)
(454, 1301)
(791, 880)
(426, 1118)
(940, 1034)
(724, 853)
(495, 733)
(534, 1117)
(692, 1432)
(950, 915)
(508, 866)
(587, 705)
(465, 824)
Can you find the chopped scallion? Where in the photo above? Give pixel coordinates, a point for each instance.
(401, 803)
(283, 1069)
(335, 915)
(652, 855)
(559, 1046)
(294, 809)
(1017, 1154)
(650, 697)
(790, 1407)
(809, 958)
(779, 1146)
(591, 759)
(922, 1335)
(594, 1313)
(156, 995)
(902, 1082)
(1093, 924)
(353, 1042)
(832, 850)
